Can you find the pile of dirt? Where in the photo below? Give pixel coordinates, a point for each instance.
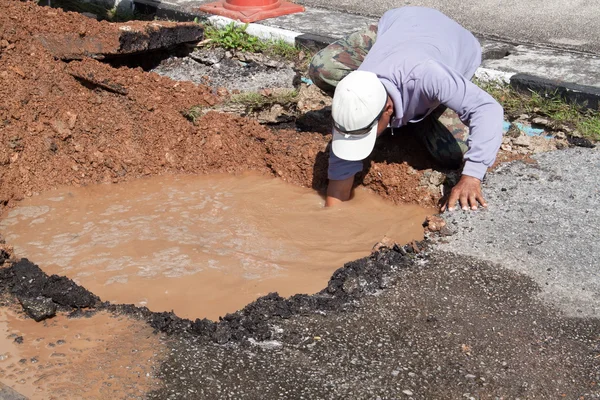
(86, 122)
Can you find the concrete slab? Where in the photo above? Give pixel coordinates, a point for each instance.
(550, 64)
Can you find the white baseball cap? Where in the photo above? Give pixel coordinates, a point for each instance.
(358, 102)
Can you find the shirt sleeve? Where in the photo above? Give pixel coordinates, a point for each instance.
(475, 108)
(342, 169)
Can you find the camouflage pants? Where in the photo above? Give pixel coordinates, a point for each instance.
(442, 132)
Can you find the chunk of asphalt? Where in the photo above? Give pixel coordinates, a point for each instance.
(38, 308)
(120, 39)
(27, 281)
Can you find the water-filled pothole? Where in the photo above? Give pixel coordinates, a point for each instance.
(201, 245)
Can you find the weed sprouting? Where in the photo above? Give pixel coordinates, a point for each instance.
(256, 101)
(234, 37)
(193, 113)
(550, 105)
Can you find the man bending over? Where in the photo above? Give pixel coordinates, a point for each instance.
(409, 70)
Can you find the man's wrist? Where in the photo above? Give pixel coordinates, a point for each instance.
(474, 169)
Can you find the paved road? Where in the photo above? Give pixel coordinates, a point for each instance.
(542, 221)
(562, 23)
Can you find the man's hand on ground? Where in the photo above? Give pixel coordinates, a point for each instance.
(467, 192)
(339, 191)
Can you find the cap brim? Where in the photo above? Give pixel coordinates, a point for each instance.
(353, 147)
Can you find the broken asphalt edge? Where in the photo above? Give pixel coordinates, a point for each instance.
(42, 296)
(583, 95)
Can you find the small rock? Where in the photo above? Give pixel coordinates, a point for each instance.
(560, 135)
(395, 373)
(16, 70)
(71, 119)
(61, 129)
(470, 376)
(434, 223)
(407, 392)
(523, 141)
(19, 340)
(541, 121)
(437, 178)
(208, 56)
(351, 285)
(513, 131)
(385, 243)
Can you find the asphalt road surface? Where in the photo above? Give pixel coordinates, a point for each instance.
(570, 24)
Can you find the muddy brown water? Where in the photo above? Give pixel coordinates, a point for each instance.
(102, 357)
(202, 246)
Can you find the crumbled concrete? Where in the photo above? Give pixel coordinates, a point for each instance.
(234, 71)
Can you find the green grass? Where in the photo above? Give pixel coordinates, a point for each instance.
(257, 101)
(235, 37)
(250, 101)
(550, 106)
(193, 113)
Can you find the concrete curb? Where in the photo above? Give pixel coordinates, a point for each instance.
(584, 95)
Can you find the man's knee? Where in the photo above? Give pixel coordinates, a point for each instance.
(320, 72)
(330, 65)
(325, 70)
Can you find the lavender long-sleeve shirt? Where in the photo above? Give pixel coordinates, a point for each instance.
(425, 59)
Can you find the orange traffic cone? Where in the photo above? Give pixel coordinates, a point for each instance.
(251, 10)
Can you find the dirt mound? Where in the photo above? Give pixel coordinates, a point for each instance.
(86, 122)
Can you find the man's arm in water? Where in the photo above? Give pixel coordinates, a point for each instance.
(339, 191)
(341, 178)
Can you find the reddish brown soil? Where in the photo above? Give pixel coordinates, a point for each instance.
(56, 129)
